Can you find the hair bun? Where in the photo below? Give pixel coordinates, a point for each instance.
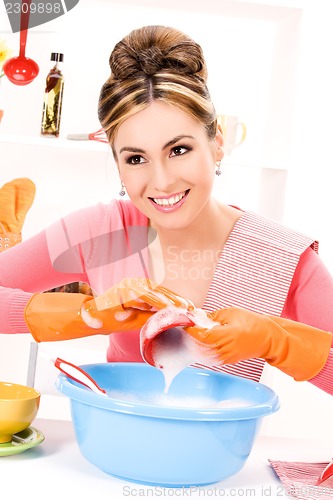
(187, 57)
(151, 60)
(153, 49)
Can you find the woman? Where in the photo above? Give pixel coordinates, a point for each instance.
(161, 124)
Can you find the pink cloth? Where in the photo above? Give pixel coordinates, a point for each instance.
(299, 480)
(87, 246)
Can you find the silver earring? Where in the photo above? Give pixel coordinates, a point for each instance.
(218, 168)
(122, 191)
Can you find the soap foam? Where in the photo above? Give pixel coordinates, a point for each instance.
(160, 399)
(173, 350)
(90, 320)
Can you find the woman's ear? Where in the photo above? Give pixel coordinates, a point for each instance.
(219, 141)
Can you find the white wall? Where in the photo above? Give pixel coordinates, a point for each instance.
(309, 188)
(267, 64)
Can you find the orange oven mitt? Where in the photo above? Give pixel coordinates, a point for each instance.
(16, 197)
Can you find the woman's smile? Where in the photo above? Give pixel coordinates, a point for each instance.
(169, 203)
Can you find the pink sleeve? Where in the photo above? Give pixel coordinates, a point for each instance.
(310, 301)
(31, 266)
(24, 270)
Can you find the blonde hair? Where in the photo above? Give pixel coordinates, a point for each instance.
(155, 63)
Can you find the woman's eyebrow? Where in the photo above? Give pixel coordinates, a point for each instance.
(176, 139)
(131, 149)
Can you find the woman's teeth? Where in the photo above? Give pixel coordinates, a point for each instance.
(169, 201)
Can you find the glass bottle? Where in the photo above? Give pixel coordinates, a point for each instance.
(53, 98)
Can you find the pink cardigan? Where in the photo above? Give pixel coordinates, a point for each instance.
(88, 245)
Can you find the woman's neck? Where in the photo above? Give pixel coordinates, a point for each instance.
(185, 260)
(211, 229)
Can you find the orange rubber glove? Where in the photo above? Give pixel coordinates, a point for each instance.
(124, 307)
(297, 349)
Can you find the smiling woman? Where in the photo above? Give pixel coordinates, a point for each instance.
(262, 283)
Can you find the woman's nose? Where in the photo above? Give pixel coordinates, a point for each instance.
(163, 177)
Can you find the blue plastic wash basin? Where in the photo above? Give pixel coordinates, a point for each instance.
(183, 439)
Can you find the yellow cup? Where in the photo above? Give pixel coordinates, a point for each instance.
(18, 408)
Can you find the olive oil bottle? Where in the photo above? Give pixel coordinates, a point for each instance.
(53, 98)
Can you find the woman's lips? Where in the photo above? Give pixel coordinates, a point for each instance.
(171, 203)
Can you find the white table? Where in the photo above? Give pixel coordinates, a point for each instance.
(55, 469)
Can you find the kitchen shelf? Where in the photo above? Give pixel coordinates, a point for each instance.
(57, 143)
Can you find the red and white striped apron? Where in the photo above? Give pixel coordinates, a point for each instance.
(255, 271)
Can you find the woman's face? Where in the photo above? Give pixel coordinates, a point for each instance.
(167, 163)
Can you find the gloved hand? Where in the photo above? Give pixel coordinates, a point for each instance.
(124, 307)
(297, 349)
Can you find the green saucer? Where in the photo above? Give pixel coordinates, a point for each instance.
(22, 441)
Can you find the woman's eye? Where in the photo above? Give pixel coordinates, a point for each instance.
(179, 150)
(135, 160)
